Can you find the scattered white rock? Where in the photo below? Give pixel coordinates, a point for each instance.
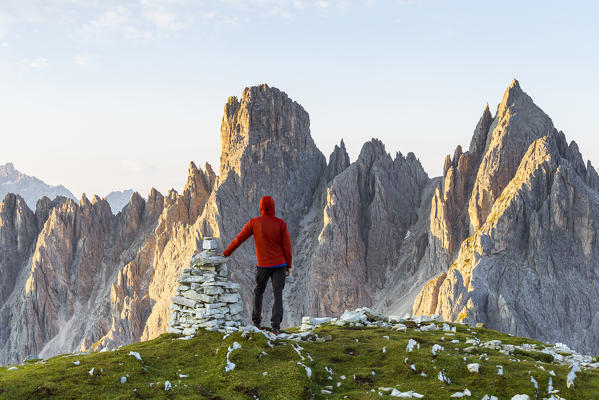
(135, 354)
(429, 327)
(352, 317)
(521, 397)
(412, 344)
(325, 391)
(385, 349)
(534, 382)
(474, 367)
(91, 372)
(499, 370)
(572, 374)
(77, 362)
(298, 349)
(308, 369)
(436, 348)
(12, 369)
(231, 366)
(123, 379)
(407, 395)
(167, 386)
(443, 378)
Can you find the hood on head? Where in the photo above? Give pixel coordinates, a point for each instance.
(267, 206)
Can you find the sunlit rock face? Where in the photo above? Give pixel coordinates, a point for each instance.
(515, 217)
(529, 265)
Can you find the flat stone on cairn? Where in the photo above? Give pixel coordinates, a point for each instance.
(206, 298)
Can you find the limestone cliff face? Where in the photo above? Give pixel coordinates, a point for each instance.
(530, 268)
(450, 221)
(349, 244)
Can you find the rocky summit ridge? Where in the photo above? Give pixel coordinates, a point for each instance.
(507, 236)
(30, 188)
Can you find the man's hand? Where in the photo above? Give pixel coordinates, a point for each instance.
(287, 271)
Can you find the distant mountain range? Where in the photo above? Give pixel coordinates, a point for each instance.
(119, 199)
(508, 236)
(31, 189)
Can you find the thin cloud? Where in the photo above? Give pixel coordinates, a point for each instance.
(108, 20)
(164, 15)
(82, 59)
(39, 63)
(135, 166)
(300, 5)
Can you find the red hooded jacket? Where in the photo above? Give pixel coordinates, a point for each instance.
(271, 237)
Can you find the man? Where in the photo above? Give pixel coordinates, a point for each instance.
(273, 258)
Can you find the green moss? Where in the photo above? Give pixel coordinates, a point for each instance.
(535, 355)
(273, 372)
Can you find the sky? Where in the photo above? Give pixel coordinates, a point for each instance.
(103, 95)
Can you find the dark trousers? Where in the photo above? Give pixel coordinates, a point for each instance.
(277, 277)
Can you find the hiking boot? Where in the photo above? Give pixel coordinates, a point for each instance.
(276, 331)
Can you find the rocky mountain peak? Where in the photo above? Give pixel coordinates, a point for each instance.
(481, 132)
(196, 191)
(338, 161)
(267, 149)
(264, 118)
(7, 169)
(210, 174)
(517, 124)
(372, 151)
(84, 201)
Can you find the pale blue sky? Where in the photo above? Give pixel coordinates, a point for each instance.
(103, 95)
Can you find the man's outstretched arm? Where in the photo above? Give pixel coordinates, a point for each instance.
(245, 233)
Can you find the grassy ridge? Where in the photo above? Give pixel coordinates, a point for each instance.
(267, 372)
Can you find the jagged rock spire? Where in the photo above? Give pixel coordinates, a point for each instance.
(338, 161)
(517, 124)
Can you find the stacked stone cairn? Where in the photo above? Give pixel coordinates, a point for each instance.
(206, 298)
